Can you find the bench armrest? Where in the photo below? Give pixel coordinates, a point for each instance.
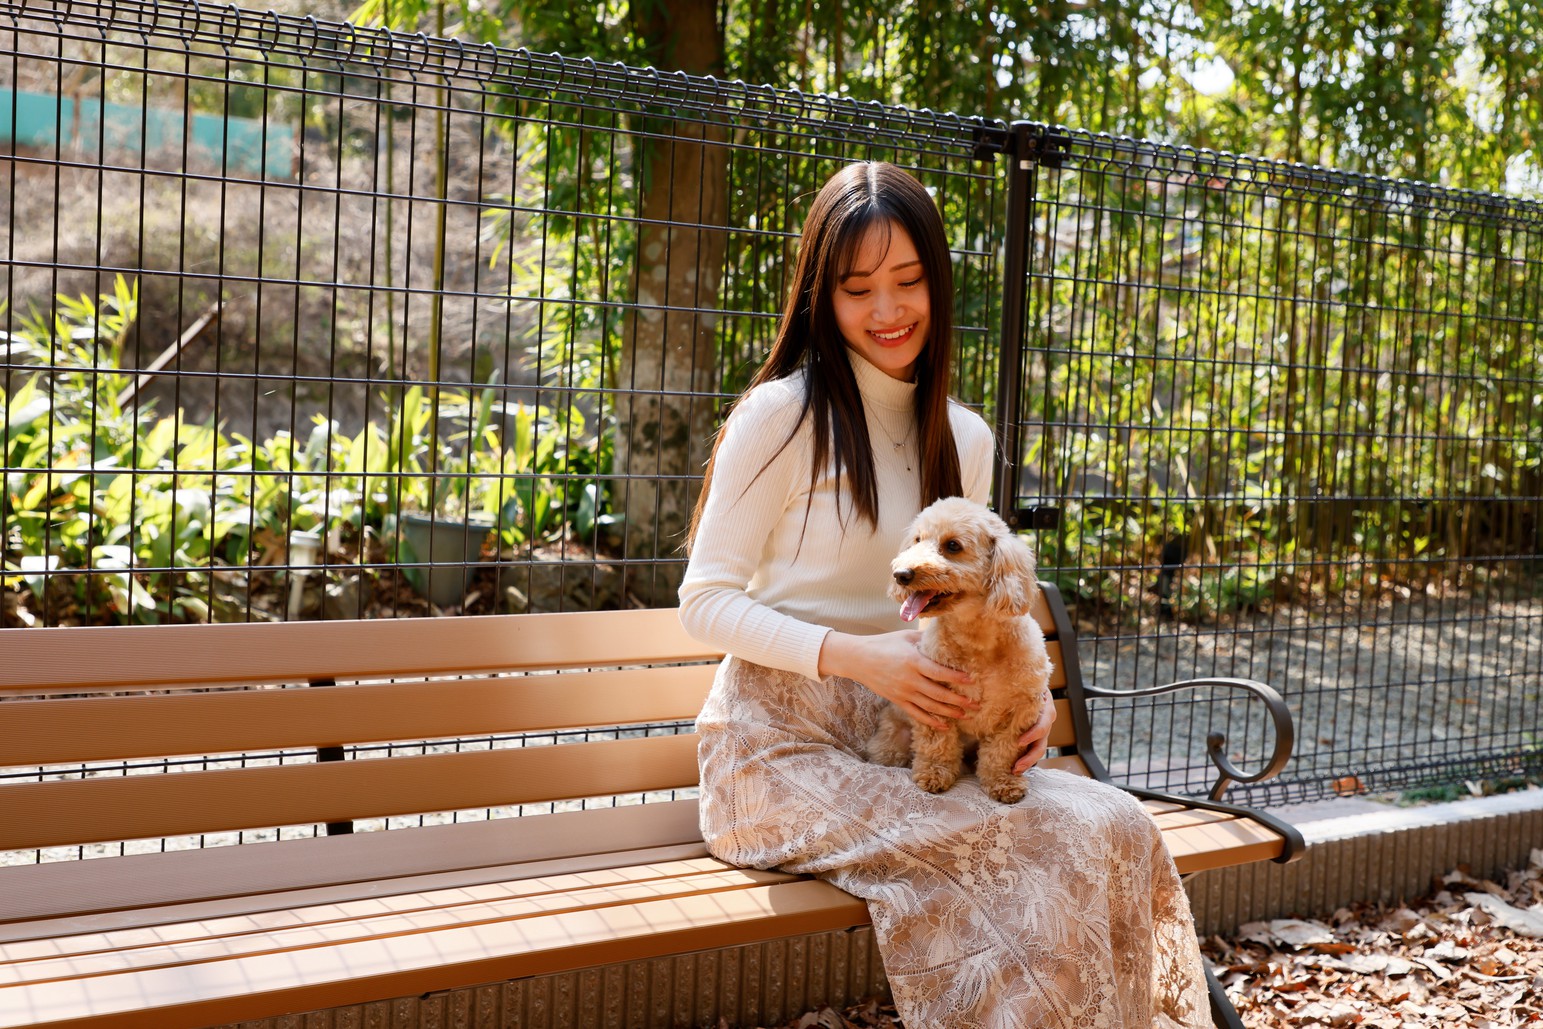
(1216, 743)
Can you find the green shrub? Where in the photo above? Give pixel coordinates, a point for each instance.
(152, 507)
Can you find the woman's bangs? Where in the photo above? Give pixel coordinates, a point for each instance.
(851, 235)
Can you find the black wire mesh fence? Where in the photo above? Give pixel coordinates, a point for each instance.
(305, 320)
(1292, 421)
(339, 322)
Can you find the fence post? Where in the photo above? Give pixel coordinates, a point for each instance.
(1015, 296)
(326, 754)
(1029, 145)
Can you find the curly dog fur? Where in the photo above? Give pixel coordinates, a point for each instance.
(971, 581)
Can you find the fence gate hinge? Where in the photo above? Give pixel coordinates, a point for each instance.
(991, 138)
(1040, 144)
(1047, 147)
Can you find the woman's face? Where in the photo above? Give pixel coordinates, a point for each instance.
(881, 303)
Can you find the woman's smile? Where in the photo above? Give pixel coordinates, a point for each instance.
(893, 337)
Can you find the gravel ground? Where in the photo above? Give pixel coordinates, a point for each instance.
(1377, 704)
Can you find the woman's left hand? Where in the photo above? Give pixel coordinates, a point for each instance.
(1036, 739)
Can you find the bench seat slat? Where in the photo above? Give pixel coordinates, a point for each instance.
(193, 923)
(67, 897)
(65, 812)
(1185, 817)
(1221, 844)
(542, 943)
(253, 721)
(384, 915)
(265, 985)
(387, 916)
(392, 917)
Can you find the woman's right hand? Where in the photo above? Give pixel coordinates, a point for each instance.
(890, 665)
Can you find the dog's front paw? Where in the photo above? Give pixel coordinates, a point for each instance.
(934, 778)
(1009, 790)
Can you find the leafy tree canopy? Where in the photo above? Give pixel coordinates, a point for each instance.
(1443, 90)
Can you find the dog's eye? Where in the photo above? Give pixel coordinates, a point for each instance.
(953, 546)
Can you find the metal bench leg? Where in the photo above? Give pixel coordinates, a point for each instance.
(1222, 1011)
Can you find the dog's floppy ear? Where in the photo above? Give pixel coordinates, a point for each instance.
(1010, 580)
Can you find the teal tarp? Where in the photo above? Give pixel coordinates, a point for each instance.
(235, 145)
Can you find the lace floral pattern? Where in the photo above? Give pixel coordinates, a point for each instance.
(1060, 911)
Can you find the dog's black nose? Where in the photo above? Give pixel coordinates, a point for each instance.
(904, 576)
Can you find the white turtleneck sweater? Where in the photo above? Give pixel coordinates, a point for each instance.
(765, 584)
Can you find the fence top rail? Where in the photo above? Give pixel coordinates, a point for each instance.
(373, 50)
(1144, 158)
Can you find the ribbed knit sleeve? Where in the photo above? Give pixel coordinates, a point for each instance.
(754, 480)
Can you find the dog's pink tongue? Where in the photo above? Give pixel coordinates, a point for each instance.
(914, 604)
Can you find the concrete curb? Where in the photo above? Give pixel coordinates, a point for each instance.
(1380, 854)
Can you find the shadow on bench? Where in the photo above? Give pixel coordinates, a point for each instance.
(284, 722)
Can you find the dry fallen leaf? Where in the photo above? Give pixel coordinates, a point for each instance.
(1527, 923)
(1438, 961)
(1326, 1013)
(1298, 933)
(1446, 950)
(1387, 964)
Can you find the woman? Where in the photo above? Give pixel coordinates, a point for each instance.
(1061, 910)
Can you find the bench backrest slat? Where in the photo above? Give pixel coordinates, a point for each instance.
(248, 653)
(635, 671)
(80, 730)
(70, 812)
(70, 731)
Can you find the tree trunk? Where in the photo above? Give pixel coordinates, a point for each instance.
(669, 354)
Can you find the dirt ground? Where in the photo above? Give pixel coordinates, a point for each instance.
(1404, 692)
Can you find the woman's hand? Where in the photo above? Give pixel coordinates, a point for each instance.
(890, 665)
(1037, 738)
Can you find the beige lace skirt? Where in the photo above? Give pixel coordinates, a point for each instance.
(1061, 910)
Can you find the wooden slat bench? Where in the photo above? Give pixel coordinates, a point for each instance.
(220, 934)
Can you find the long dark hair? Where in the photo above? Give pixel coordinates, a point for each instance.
(857, 198)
